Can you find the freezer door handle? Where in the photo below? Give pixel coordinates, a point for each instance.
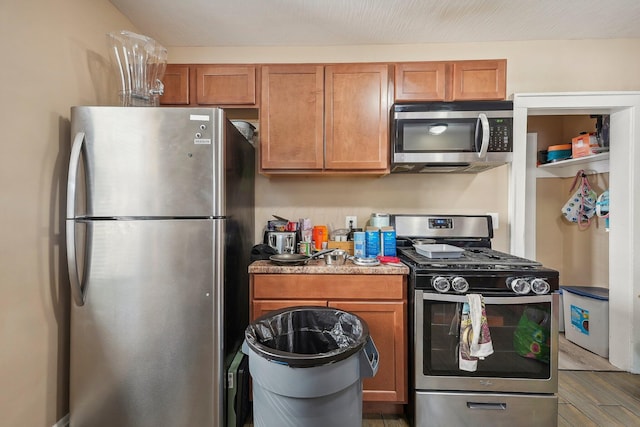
(72, 263)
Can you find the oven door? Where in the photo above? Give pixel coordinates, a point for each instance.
(517, 325)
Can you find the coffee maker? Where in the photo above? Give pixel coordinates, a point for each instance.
(284, 242)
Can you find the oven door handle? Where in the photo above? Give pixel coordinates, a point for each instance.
(427, 296)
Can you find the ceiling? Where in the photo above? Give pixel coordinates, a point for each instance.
(216, 23)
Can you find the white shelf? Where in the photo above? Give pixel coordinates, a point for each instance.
(596, 163)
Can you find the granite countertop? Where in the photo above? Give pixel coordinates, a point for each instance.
(318, 266)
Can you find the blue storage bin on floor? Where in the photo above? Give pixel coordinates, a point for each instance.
(586, 317)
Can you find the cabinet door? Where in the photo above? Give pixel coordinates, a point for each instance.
(226, 85)
(291, 117)
(176, 85)
(357, 117)
(386, 322)
(420, 81)
(480, 80)
(261, 307)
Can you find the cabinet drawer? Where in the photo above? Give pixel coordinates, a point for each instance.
(262, 307)
(329, 286)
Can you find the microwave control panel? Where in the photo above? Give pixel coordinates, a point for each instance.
(500, 134)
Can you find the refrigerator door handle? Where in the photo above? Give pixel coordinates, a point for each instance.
(72, 263)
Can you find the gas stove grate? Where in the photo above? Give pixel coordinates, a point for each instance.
(480, 258)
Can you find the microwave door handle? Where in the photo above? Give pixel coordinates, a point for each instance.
(482, 123)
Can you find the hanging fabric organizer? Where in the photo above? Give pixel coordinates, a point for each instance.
(602, 208)
(581, 207)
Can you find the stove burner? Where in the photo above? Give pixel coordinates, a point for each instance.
(483, 269)
(472, 258)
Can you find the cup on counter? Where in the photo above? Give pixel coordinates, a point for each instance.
(304, 248)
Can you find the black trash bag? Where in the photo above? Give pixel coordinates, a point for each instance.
(307, 336)
(262, 251)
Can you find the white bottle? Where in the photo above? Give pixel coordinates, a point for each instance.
(359, 244)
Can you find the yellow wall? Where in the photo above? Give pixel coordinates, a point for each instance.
(55, 56)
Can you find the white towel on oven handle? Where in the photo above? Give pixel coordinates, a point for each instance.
(481, 345)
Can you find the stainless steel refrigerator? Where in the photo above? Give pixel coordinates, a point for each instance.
(159, 227)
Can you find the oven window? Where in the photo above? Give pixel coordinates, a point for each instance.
(519, 334)
(438, 136)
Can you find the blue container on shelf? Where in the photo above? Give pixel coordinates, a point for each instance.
(558, 152)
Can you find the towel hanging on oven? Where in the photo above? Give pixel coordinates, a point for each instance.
(475, 339)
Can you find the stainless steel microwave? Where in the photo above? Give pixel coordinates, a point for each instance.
(462, 137)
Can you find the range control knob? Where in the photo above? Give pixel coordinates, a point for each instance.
(460, 284)
(520, 286)
(440, 284)
(540, 286)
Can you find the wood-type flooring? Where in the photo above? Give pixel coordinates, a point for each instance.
(591, 393)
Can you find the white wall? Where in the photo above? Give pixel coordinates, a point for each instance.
(624, 238)
(54, 55)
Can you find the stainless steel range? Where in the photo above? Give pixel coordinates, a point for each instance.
(484, 335)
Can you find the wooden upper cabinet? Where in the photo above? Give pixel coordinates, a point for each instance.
(480, 80)
(420, 81)
(225, 84)
(210, 85)
(357, 117)
(176, 85)
(451, 81)
(292, 117)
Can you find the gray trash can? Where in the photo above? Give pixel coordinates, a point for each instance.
(307, 365)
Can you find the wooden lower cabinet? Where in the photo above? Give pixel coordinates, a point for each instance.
(380, 300)
(386, 320)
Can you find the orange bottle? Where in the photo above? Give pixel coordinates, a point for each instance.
(320, 234)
